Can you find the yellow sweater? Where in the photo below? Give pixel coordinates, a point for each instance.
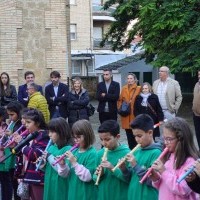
(39, 102)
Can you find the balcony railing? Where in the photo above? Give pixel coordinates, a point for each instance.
(99, 9)
(96, 44)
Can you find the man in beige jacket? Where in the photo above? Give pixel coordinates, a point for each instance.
(196, 109)
(169, 93)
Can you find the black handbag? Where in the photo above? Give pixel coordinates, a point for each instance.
(125, 109)
(90, 110)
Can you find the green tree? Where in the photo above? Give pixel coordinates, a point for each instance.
(170, 30)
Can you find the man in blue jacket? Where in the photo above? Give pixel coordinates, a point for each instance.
(29, 77)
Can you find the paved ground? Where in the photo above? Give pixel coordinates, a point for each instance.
(184, 111)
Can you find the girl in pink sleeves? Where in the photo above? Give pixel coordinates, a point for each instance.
(182, 153)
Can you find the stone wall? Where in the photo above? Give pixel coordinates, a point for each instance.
(90, 84)
(34, 35)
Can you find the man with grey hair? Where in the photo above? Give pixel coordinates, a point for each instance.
(37, 101)
(196, 109)
(169, 93)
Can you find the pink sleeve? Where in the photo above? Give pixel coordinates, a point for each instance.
(82, 172)
(156, 184)
(170, 177)
(63, 170)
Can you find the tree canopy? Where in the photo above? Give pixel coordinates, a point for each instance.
(170, 31)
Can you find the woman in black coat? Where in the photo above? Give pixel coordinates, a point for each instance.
(147, 103)
(8, 92)
(78, 101)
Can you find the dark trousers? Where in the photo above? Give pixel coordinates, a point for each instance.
(103, 116)
(131, 139)
(14, 183)
(6, 186)
(196, 120)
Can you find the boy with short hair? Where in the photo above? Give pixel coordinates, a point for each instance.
(143, 158)
(112, 185)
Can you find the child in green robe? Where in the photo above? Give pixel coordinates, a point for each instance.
(143, 158)
(82, 163)
(55, 186)
(111, 185)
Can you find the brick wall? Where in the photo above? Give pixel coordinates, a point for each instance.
(34, 35)
(80, 14)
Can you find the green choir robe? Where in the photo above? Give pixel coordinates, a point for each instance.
(112, 185)
(55, 186)
(77, 188)
(144, 158)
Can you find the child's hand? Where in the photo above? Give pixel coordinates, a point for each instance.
(122, 165)
(71, 157)
(17, 138)
(8, 133)
(61, 162)
(106, 164)
(131, 159)
(99, 170)
(158, 166)
(197, 167)
(154, 176)
(43, 161)
(190, 177)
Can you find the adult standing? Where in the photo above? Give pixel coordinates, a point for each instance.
(38, 101)
(78, 101)
(128, 94)
(8, 92)
(147, 103)
(57, 96)
(196, 109)
(29, 77)
(169, 93)
(107, 95)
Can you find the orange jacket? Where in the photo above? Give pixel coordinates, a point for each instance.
(126, 95)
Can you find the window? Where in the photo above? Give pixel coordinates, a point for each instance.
(97, 35)
(147, 77)
(76, 66)
(72, 2)
(96, 2)
(90, 66)
(73, 32)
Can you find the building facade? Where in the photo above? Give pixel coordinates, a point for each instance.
(88, 23)
(34, 35)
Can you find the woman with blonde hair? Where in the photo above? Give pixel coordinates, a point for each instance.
(78, 101)
(128, 94)
(148, 103)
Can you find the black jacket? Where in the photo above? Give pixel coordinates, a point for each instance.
(195, 184)
(61, 100)
(78, 106)
(155, 104)
(6, 99)
(111, 96)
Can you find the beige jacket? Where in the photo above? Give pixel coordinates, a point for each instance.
(196, 100)
(173, 94)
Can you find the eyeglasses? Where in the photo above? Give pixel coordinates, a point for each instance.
(169, 139)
